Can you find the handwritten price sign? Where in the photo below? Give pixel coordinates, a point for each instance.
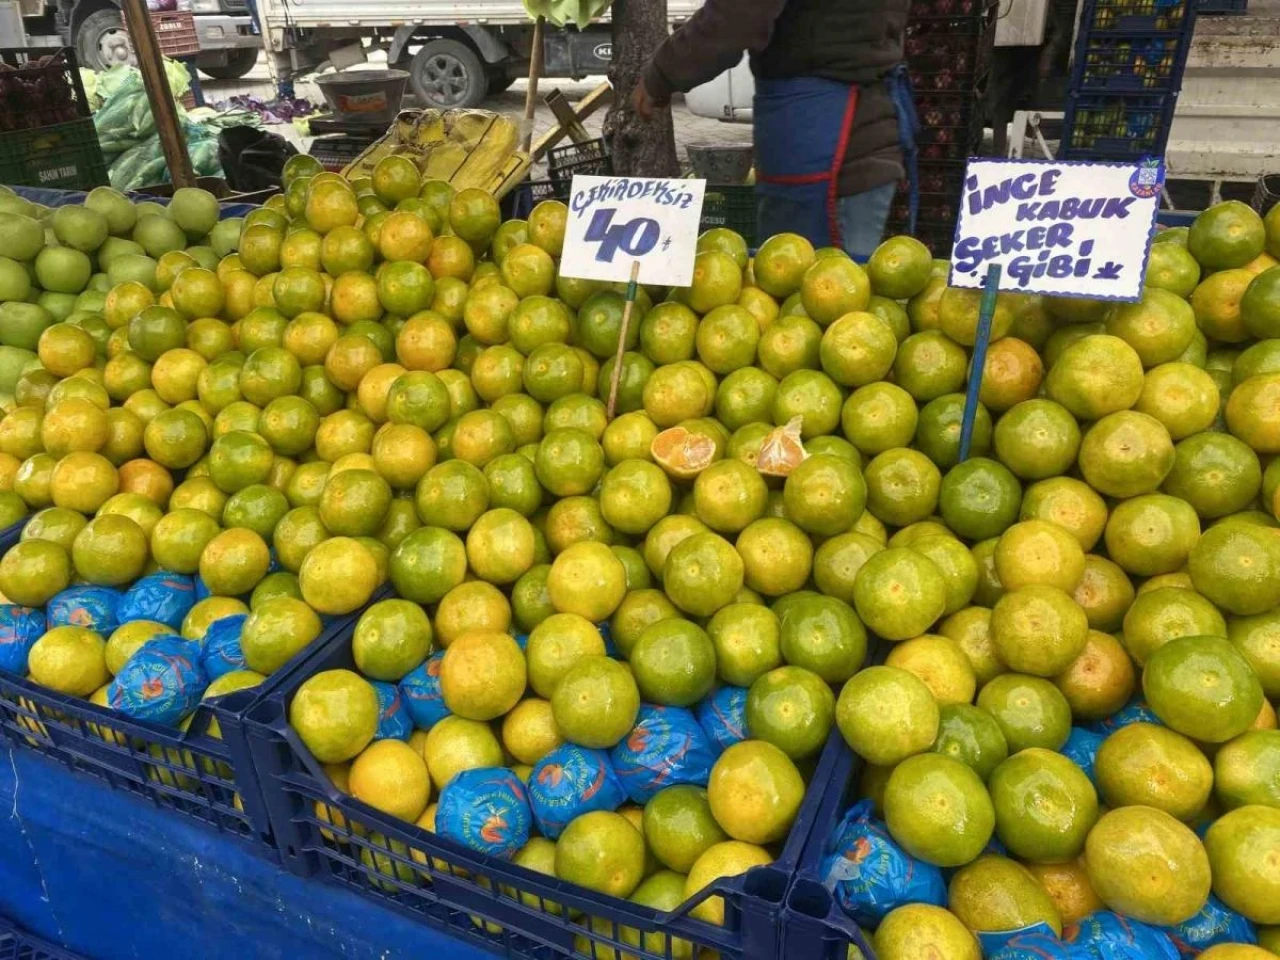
(1062, 228)
(616, 222)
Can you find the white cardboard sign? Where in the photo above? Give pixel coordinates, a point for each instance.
(615, 222)
(1062, 228)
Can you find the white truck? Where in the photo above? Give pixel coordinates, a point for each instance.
(229, 45)
(456, 53)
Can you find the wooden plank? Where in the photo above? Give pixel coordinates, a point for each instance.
(151, 66)
(593, 101)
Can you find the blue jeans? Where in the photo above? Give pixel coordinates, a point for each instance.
(862, 218)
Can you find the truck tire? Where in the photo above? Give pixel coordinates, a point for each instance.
(239, 62)
(448, 74)
(102, 40)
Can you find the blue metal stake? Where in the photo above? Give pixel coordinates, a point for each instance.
(989, 290)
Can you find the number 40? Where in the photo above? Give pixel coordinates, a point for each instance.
(635, 238)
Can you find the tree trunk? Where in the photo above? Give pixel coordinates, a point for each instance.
(639, 149)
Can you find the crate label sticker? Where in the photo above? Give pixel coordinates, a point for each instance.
(615, 222)
(1061, 228)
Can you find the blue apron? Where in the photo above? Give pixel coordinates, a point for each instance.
(802, 131)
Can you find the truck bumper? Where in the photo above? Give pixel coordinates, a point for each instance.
(217, 32)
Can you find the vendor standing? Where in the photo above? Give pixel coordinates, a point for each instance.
(832, 106)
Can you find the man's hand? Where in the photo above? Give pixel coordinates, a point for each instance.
(643, 104)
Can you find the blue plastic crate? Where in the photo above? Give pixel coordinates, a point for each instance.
(1139, 63)
(17, 944)
(193, 773)
(514, 911)
(1136, 15)
(815, 926)
(1117, 127)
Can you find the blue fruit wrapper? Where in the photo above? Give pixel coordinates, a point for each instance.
(202, 589)
(666, 746)
(1215, 923)
(1135, 711)
(420, 688)
(997, 941)
(486, 810)
(606, 634)
(1034, 946)
(869, 874)
(20, 628)
(723, 715)
(1081, 749)
(221, 653)
(94, 608)
(163, 597)
(162, 682)
(394, 722)
(568, 782)
(522, 641)
(1109, 936)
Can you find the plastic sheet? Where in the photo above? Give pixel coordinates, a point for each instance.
(1109, 936)
(869, 874)
(94, 608)
(1215, 923)
(222, 652)
(114, 878)
(163, 597)
(394, 721)
(571, 781)
(486, 810)
(724, 716)
(163, 682)
(666, 747)
(420, 688)
(20, 628)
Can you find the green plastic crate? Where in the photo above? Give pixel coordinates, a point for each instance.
(63, 156)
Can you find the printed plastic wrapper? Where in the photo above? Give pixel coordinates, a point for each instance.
(723, 715)
(420, 688)
(1109, 936)
(1135, 711)
(20, 628)
(94, 608)
(568, 782)
(161, 683)
(485, 810)
(1034, 946)
(667, 746)
(1081, 749)
(869, 874)
(394, 722)
(1215, 923)
(606, 634)
(994, 941)
(163, 597)
(222, 652)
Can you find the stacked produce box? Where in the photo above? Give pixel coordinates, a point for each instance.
(1129, 59)
(46, 136)
(948, 53)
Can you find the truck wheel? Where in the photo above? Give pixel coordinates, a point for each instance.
(239, 62)
(102, 41)
(448, 74)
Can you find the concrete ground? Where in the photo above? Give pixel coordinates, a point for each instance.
(690, 129)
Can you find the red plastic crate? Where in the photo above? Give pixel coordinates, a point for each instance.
(175, 32)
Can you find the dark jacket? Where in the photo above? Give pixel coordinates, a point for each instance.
(851, 41)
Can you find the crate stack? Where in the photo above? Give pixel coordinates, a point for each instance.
(47, 138)
(1129, 59)
(947, 48)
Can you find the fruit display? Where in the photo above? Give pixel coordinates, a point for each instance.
(609, 650)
